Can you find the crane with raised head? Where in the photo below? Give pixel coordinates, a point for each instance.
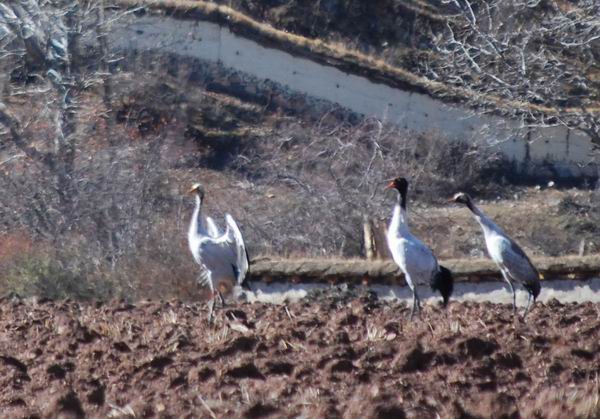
(222, 257)
(413, 257)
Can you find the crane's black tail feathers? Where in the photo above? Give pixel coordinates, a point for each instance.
(443, 282)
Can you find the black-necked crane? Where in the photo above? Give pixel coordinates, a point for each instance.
(510, 258)
(413, 257)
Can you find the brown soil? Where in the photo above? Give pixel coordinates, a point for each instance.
(332, 356)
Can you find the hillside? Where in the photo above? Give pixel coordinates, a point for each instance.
(106, 214)
(284, 174)
(397, 31)
(421, 38)
(406, 33)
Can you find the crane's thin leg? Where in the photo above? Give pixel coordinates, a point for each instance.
(211, 309)
(528, 305)
(416, 305)
(221, 299)
(512, 289)
(514, 295)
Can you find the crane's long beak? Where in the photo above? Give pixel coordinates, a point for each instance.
(192, 190)
(451, 200)
(390, 185)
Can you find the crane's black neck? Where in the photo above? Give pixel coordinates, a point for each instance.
(402, 198)
(472, 207)
(199, 201)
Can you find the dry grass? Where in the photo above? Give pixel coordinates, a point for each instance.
(424, 9)
(581, 402)
(340, 56)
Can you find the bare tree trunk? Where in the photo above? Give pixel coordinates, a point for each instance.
(370, 249)
(380, 240)
(581, 248)
(109, 227)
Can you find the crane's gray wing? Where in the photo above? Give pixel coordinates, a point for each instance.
(420, 262)
(517, 263)
(212, 228)
(240, 248)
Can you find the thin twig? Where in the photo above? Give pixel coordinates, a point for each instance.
(207, 407)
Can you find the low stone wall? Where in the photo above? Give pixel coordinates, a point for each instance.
(385, 272)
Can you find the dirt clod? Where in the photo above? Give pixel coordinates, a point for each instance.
(246, 371)
(416, 359)
(67, 407)
(260, 410)
(477, 348)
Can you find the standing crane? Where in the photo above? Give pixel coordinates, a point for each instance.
(510, 258)
(222, 257)
(412, 256)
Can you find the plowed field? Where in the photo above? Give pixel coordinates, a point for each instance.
(329, 356)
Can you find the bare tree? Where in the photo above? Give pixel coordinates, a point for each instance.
(64, 171)
(332, 175)
(44, 41)
(543, 53)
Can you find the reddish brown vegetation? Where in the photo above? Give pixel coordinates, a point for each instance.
(14, 245)
(329, 357)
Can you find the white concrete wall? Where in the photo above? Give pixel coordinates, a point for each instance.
(565, 291)
(208, 41)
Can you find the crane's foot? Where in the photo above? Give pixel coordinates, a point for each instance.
(416, 308)
(511, 287)
(412, 314)
(514, 302)
(221, 299)
(529, 306)
(211, 310)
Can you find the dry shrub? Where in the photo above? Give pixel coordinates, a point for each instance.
(161, 265)
(100, 238)
(13, 245)
(321, 181)
(34, 267)
(155, 265)
(579, 220)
